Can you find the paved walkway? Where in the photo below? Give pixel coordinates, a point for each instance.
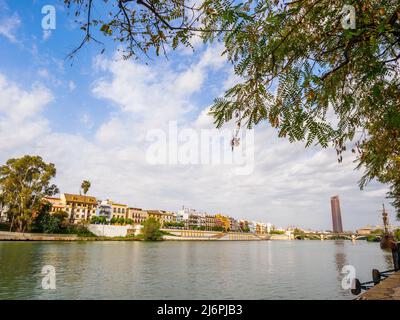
(388, 289)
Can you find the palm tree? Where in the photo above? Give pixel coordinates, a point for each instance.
(85, 186)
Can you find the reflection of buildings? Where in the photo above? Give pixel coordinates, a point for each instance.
(340, 262)
(340, 256)
(336, 215)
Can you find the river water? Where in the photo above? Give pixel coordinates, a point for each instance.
(186, 269)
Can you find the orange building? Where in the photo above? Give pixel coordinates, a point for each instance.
(223, 221)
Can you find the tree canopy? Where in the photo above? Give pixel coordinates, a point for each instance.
(151, 229)
(24, 182)
(301, 70)
(85, 186)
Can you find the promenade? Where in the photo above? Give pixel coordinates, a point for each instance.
(388, 289)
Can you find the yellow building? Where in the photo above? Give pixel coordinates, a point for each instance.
(261, 228)
(223, 221)
(161, 216)
(56, 204)
(210, 222)
(118, 210)
(78, 207)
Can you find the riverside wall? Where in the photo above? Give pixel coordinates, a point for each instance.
(19, 236)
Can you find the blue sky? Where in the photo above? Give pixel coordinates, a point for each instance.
(91, 118)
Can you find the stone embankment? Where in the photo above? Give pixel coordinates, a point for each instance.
(19, 236)
(388, 289)
(179, 234)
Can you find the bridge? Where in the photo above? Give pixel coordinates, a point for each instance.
(327, 236)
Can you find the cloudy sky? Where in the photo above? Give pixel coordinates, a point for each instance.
(93, 120)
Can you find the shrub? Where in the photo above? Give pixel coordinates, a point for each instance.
(397, 234)
(151, 230)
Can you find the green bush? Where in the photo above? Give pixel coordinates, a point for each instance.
(277, 232)
(372, 238)
(151, 230)
(46, 222)
(174, 224)
(79, 230)
(397, 234)
(377, 232)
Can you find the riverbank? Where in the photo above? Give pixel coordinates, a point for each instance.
(230, 236)
(388, 289)
(19, 236)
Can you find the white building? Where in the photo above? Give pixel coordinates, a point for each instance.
(105, 209)
(183, 214)
(252, 226)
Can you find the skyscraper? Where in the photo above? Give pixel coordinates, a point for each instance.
(336, 215)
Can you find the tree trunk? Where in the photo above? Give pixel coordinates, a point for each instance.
(12, 223)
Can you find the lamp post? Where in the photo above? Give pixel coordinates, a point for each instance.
(388, 242)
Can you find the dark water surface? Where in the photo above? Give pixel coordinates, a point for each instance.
(187, 269)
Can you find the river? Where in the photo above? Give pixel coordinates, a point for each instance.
(186, 269)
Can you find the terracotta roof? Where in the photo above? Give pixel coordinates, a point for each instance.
(52, 198)
(79, 198)
(159, 212)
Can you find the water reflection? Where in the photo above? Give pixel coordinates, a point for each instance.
(186, 270)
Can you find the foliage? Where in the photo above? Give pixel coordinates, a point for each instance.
(245, 229)
(397, 234)
(274, 231)
(24, 182)
(121, 221)
(174, 224)
(151, 230)
(300, 69)
(218, 228)
(47, 222)
(299, 234)
(79, 230)
(377, 232)
(98, 220)
(85, 186)
(373, 238)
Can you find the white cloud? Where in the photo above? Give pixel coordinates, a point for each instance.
(17, 104)
(9, 26)
(46, 34)
(71, 86)
(86, 120)
(20, 122)
(289, 185)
